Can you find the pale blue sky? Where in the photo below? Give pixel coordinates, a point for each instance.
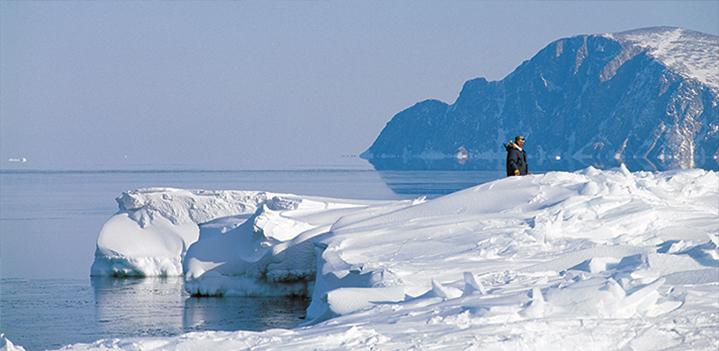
(261, 85)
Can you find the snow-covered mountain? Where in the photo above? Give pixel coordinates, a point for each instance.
(647, 97)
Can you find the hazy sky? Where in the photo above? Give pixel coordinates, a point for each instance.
(261, 85)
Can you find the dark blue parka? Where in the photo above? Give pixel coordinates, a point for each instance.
(516, 160)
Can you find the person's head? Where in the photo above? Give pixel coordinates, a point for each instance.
(519, 140)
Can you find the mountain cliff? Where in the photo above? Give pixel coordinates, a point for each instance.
(647, 97)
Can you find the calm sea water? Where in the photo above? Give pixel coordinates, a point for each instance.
(49, 223)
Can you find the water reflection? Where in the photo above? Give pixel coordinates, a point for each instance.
(242, 313)
(161, 307)
(139, 307)
(413, 177)
(434, 183)
(543, 164)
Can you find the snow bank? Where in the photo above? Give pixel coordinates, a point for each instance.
(591, 259)
(547, 224)
(269, 253)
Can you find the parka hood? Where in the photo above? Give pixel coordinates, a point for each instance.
(511, 145)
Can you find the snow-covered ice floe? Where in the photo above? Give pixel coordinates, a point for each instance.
(155, 228)
(585, 260)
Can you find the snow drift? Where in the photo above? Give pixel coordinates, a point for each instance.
(598, 259)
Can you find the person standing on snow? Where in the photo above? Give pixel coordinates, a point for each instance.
(516, 157)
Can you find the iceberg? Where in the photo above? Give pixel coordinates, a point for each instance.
(604, 259)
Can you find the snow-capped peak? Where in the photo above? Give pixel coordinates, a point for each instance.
(692, 54)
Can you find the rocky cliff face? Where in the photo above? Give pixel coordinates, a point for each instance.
(648, 98)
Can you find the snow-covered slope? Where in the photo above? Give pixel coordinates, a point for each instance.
(587, 260)
(648, 98)
(693, 54)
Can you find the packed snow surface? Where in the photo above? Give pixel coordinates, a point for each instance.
(693, 54)
(594, 259)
